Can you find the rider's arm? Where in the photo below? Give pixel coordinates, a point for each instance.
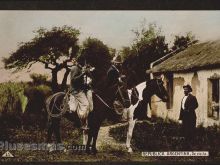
(74, 74)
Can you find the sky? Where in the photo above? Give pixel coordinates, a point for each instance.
(112, 27)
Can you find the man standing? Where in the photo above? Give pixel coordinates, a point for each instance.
(187, 114)
(81, 96)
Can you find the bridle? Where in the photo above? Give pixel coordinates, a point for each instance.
(121, 95)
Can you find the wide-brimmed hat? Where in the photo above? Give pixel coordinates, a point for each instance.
(117, 60)
(188, 86)
(74, 60)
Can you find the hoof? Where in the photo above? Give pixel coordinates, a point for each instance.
(130, 150)
(50, 147)
(88, 151)
(94, 151)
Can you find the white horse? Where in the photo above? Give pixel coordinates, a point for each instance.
(138, 108)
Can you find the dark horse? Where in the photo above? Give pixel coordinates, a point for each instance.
(101, 111)
(102, 108)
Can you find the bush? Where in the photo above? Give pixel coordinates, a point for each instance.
(162, 136)
(36, 97)
(21, 103)
(39, 79)
(12, 103)
(10, 97)
(35, 113)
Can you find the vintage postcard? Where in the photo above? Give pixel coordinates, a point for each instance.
(109, 86)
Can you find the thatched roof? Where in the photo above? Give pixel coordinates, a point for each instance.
(199, 56)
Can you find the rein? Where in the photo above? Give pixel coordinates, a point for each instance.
(121, 95)
(106, 104)
(99, 97)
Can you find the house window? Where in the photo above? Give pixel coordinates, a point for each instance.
(213, 98)
(169, 86)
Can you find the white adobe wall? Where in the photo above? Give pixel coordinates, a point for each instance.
(199, 84)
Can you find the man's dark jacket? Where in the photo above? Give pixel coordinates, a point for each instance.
(77, 78)
(190, 105)
(112, 75)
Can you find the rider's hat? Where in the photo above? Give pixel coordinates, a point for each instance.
(74, 61)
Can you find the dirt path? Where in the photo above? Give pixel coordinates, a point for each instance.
(105, 139)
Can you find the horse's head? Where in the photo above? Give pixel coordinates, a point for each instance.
(155, 86)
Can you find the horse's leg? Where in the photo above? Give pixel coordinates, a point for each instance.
(53, 127)
(49, 131)
(85, 137)
(56, 128)
(95, 135)
(90, 131)
(89, 141)
(131, 124)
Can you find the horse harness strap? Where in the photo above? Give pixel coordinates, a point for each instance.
(103, 101)
(121, 95)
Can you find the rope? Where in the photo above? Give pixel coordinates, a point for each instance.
(62, 107)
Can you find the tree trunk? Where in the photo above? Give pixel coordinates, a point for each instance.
(55, 87)
(64, 81)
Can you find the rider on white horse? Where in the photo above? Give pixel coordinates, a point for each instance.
(81, 95)
(115, 77)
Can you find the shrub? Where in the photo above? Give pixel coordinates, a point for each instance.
(10, 94)
(162, 136)
(12, 103)
(39, 79)
(36, 96)
(35, 114)
(22, 101)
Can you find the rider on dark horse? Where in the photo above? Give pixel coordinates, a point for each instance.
(81, 94)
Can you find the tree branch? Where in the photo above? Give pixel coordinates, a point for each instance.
(46, 64)
(47, 67)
